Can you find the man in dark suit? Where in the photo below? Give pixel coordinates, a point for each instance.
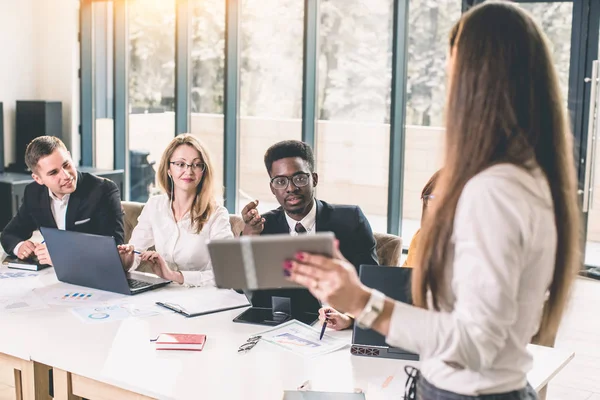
(290, 165)
(63, 198)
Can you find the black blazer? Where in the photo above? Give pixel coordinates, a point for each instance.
(94, 207)
(348, 223)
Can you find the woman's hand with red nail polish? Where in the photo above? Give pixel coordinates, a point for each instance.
(335, 319)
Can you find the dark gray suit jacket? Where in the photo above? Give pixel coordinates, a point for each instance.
(95, 205)
(348, 223)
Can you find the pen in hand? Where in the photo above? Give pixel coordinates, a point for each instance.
(324, 325)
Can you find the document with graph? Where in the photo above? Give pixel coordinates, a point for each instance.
(301, 339)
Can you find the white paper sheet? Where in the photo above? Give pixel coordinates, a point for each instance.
(16, 274)
(14, 304)
(115, 312)
(301, 339)
(70, 295)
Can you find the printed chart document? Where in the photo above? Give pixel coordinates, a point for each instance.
(301, 339)
(114, 312)
(63, 294)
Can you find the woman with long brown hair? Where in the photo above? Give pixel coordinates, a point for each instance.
(490, 273)
(180, 221)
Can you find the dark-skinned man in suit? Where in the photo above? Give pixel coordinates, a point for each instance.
(293, 180)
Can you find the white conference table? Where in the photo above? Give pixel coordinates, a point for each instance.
(117, 359)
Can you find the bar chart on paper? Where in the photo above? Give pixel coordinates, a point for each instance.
(77, 296)
(70, 296)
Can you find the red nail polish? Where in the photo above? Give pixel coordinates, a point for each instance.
(300, 256)
(287, 265)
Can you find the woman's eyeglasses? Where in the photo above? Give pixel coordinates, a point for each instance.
(427, 198)
(250, 343)
(182, 166)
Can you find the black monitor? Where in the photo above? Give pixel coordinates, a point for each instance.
(394, 282)
(276, 306)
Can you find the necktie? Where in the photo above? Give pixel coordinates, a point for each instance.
(300, 228)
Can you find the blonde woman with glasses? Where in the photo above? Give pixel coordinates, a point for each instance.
(179, 222)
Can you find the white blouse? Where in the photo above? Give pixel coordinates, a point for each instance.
(504, 248)
(179, 245)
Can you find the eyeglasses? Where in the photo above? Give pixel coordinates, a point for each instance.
(299, 180)
(250, 343)
(427, 198)
(182, 166)
(410, 387)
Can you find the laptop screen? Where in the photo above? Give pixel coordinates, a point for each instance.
(394, 282)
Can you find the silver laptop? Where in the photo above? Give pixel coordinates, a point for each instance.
(394, 282)
(93, 261)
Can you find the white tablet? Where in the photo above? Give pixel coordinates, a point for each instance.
(256, 262)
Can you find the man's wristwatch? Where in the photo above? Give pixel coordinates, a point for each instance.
(372, 310)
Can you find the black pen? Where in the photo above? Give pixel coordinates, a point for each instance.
(324, 326)
(171, 307)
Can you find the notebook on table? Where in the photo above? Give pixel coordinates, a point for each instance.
(180, 341)
(205, 301)
(29, 264)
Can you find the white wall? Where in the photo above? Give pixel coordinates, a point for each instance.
(38, 61)
(57, 55)
(17, 65)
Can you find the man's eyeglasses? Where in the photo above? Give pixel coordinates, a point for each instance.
(182, 166)
(250, 343)
(299, 180)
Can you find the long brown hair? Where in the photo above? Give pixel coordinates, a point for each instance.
(204, 203)
(503, 106)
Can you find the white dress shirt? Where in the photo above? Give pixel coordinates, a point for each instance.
(309, 222)
(59, 212)
(59, 209)
(180, 246)
(503, 252)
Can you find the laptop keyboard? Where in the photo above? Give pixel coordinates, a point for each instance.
(135, 284)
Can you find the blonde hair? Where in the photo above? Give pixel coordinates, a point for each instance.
(204, 203)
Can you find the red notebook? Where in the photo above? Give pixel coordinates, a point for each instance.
(180, 341)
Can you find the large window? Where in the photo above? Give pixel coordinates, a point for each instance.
(270, 89)
(429, 26)
(592, 246)
(102, 13)
(353, 91)
(354, 105)
(556, 21)
(207, 60)
(151, 88)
